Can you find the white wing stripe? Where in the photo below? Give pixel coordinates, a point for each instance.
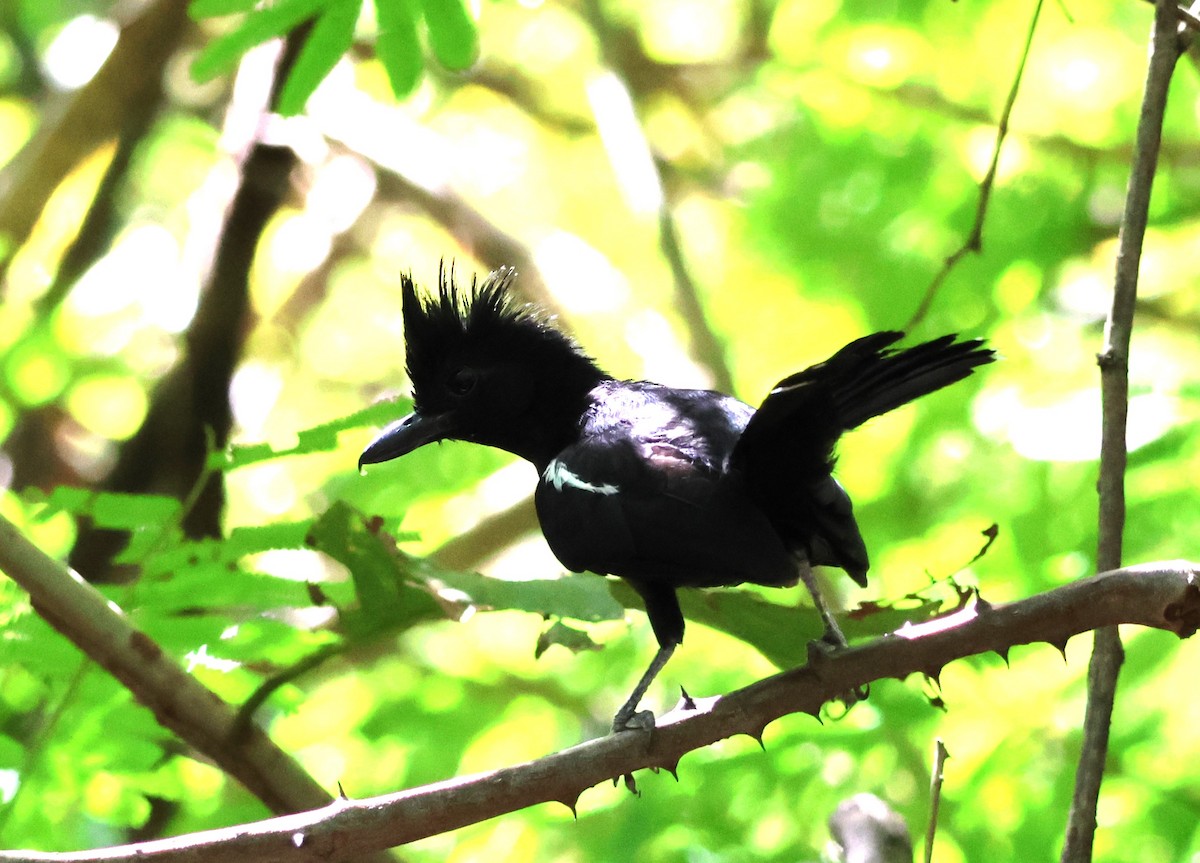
(558, 475)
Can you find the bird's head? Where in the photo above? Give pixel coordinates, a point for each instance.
(488, 370)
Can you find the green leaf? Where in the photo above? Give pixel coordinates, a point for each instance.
(575, 640)
(131, 511)
(268, 22)
(116, 510)
(331, 36)
(211, 589)
(388, 600)
(198, 9)
(397, 45)
(322, 438)
(207, 574)
(452, 33)
(581, 596)
(11, 753)
(30, 642)
(781, 633)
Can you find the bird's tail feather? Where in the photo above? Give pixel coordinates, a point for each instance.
(883, 380)
(786, 451)
(800, 421)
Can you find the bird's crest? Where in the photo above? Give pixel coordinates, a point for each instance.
(473, 325)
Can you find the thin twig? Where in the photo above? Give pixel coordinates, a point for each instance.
(935, 795)
(36, 748)
(1107, 654)
(1188, 18)
(974, 241)
(706, 347)
(79, 122)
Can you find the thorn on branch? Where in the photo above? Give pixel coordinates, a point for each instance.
(1061, 647)
(1185, 614)
(1109, 360)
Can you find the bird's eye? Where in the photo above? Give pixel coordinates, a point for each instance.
(462, 382)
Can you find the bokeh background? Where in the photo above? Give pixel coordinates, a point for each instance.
(706, 192)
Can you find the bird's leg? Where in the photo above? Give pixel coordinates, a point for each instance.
(833, 639)
(833, 633)
(627, 719)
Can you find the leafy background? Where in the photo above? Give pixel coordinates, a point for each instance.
(818, 161)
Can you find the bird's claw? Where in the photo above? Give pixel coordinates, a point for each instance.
(827, 647)
(824, 648)
(642, 720)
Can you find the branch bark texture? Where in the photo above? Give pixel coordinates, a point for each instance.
(179, 702)
(1107, 656)
(1162, 595)
(94, 114)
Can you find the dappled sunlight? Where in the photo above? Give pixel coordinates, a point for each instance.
(529, 731)
(341, 189)
(31, 269)
(253, 393)
(795, 26)
(978, 146)
(488, 149)
(139, 284)
(1018, 287)
(36, 371)
(78, 50)
(652, 337)
(884, 56)
(553, 42)
(867, 456)
(690, 31)
(111, 406)
(270, 489)
(1068, 428)
(579, 275)
(817, 162)
(383, 133)
(838, 103)
(625, 143)
(299, 243)
(436, 519)
(17, 122)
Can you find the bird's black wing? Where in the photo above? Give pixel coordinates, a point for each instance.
(644, 494)
(787, 449)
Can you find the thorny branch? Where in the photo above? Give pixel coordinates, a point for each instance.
(1162, 595)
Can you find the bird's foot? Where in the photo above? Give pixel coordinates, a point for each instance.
(629, 720)
(833, 636)
(827, 647)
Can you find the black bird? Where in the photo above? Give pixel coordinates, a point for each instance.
(663, 487)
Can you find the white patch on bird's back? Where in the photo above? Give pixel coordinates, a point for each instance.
(559, 475)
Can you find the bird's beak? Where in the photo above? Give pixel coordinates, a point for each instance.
(405, 435)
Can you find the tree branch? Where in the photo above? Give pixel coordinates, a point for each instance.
(974, 241)
(1108, 655)
(705, 347)
(1161, 595)
(97, 112)
(179, 702)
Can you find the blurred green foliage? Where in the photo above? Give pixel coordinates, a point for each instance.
(451, 33)
(821, 159)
